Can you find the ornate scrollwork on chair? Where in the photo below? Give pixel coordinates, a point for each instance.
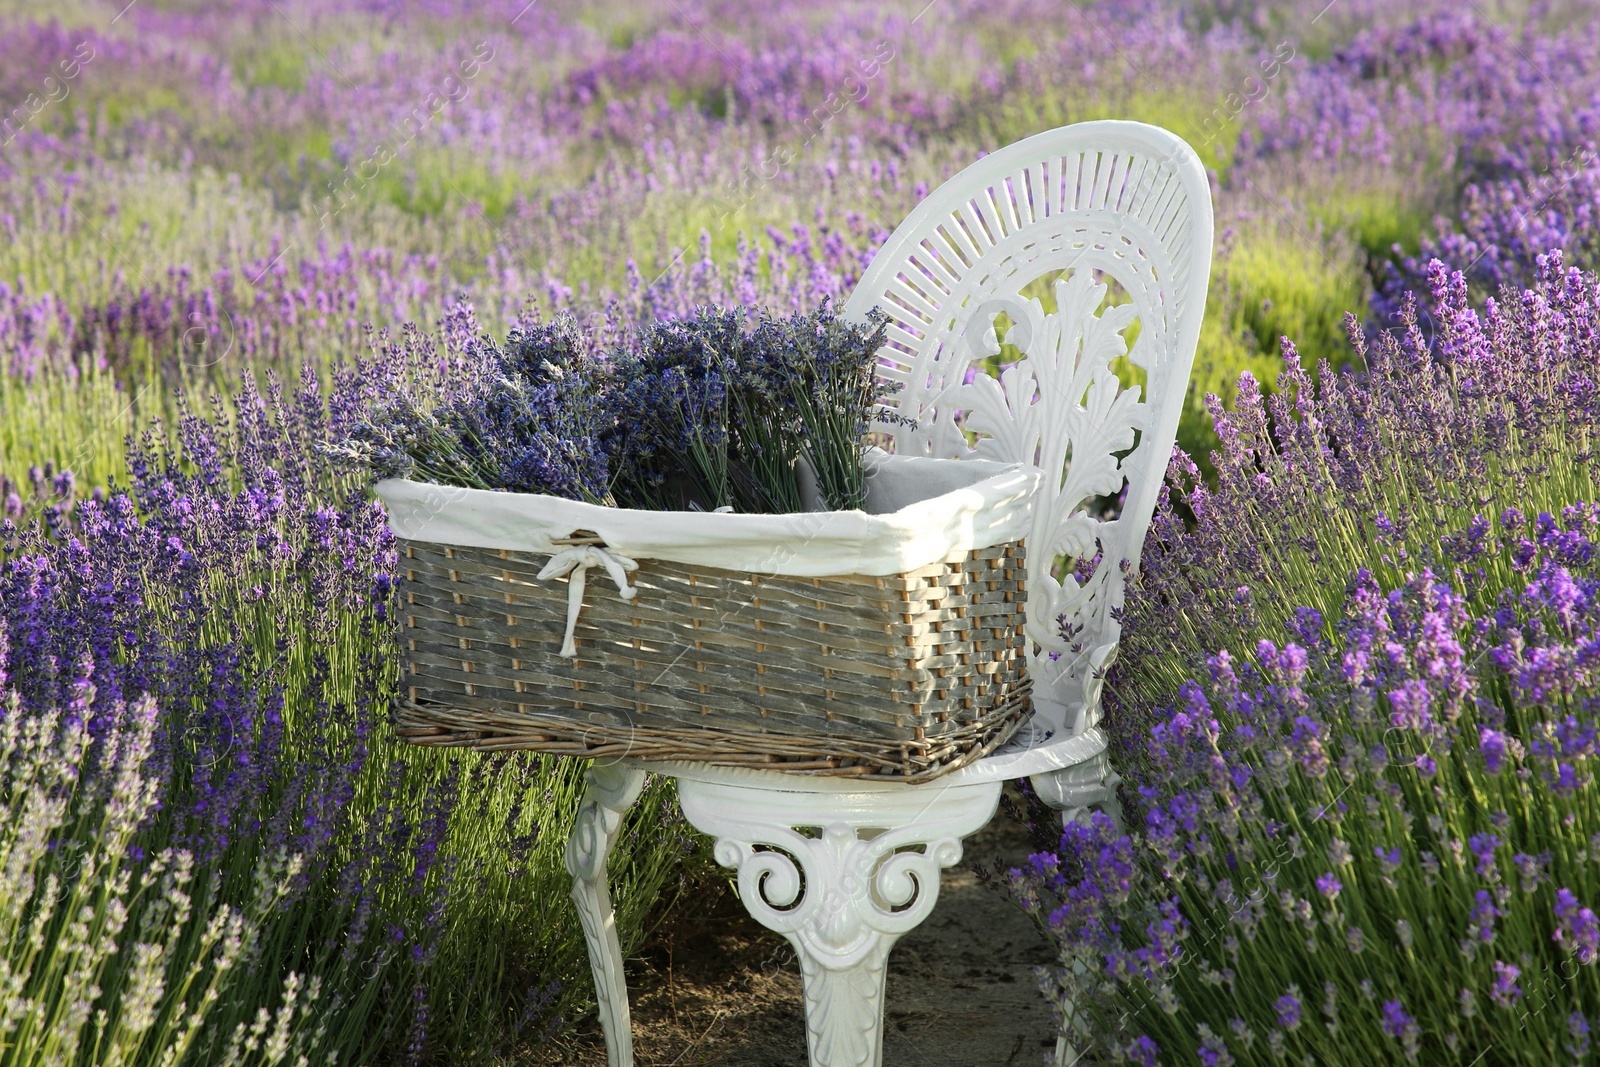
(1111, 223)
(842, 875)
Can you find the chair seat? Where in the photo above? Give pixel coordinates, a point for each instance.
(1036, 749)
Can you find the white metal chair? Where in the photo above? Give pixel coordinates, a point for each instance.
(843, 868)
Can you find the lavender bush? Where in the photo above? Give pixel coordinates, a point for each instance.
(1371, 846)
(1367, 834)
(1504, 228)
(104, 956)
(1496, 409)
(250, 589)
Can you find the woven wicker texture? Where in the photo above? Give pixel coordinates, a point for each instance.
(907, 676)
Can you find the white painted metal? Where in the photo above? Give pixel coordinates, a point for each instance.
(1065, 211)
(842, 875)
(1094, 242)
(612, 790)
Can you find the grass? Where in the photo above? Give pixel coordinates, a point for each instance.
(1193, 115)
(432, 181)
(278, 64)
(1281, 278)
(77, 423)
(1377, 220)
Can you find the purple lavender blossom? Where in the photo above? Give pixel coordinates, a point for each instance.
(1403, 1028)
(1483, 848)
(1492, 745)
(1482, 916)
(1288, 1009)
(1577, 929)
(1505, 992)
(1141, 1051)
(1577, 1045)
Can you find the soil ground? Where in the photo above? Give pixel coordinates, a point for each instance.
(712, 988)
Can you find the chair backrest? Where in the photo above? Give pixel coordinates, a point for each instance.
(1058, 215)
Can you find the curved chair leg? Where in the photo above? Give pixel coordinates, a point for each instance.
(612, 790)
(1073, 790)
(842, 875)
(1067, 1055)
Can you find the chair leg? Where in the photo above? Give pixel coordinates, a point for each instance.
(1067, 1054)
(1074, 790)
(612, 790)
(842, 876)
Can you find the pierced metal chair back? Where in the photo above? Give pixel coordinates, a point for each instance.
(1093, 243)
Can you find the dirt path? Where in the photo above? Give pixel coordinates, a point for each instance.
(714, 989)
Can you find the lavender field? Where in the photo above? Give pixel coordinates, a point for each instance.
(1371, 590)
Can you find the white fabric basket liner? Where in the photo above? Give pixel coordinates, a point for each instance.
(919, 510)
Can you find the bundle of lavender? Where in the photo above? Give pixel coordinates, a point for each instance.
(858, 614)
(702, 414)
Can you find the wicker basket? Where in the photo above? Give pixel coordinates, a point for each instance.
(904, 675)
(876, 643)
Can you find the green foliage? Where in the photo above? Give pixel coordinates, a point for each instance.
(139, 222)
(1376, 219)
(1280, 278)
(76, 423)
(1269, 280)
(512, 934)
(278, 64)
(1020, 114)
(430, 181)
(1222, 352)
